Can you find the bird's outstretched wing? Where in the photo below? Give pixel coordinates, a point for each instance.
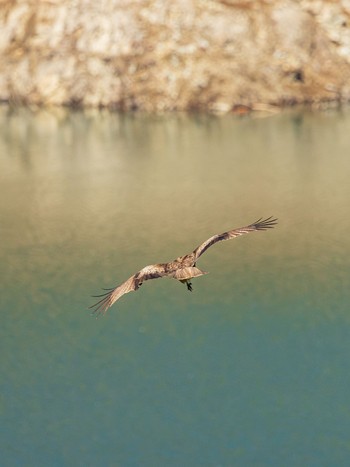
(260, 224)
(133, 283)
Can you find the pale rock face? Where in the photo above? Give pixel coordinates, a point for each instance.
(156, 55)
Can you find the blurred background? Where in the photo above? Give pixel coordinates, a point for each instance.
(210, 55)
(251, 368)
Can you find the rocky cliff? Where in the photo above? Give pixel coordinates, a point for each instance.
(159, 55)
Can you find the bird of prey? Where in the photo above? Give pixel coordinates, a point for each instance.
(182, 268)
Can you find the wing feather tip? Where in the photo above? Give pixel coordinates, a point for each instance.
(264, 224)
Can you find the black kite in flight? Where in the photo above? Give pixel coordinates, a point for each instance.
(183, 268)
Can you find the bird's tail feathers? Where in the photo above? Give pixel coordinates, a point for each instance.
(188, 273)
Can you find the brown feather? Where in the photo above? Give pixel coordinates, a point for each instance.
(187, 273)
(183, 268)
(133, 283)
(255, 226)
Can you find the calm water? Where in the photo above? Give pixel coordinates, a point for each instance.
(252, 368)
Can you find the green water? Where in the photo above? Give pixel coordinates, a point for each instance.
(251, 368)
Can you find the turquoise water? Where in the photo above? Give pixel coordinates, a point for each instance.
(252, 368)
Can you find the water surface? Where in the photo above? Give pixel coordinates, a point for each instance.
(252, 368)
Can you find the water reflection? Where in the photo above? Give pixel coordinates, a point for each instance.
(239, 372)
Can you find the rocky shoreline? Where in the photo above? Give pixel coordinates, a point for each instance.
(205, 55)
